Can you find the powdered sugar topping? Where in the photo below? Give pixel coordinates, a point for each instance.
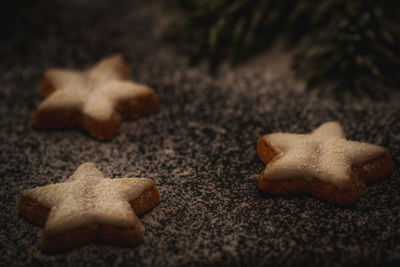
(89, 197)
(324, 154)
(95, 92)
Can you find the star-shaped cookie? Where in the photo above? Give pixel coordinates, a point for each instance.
(322, 163)
(95, 100)
(89, 207)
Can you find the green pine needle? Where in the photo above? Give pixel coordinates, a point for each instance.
(352, 44)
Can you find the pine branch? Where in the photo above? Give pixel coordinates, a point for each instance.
(355, 50)
(234, 29)
(353, 44)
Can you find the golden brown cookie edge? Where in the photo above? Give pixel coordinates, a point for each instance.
(372, 170)
(110, 234)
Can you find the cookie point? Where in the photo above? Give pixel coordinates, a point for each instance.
(87, 165)
(116, 56)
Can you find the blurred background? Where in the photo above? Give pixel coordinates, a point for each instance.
(336, 44)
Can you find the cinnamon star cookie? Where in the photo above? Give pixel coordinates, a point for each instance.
(89, 207)
(95, 100)
(322, 163)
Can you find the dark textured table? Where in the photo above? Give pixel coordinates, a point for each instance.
(199, 149)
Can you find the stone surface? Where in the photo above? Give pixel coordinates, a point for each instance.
(200, 149)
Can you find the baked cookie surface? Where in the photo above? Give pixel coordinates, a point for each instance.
(322, 163)
(95, 100)
(89, 207)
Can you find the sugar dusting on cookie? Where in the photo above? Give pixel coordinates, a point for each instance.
(95, 100)
(96, 94)
(324, 154)
(101, 104)
(89, 197)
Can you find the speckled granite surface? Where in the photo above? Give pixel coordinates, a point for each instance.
(199, 149)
